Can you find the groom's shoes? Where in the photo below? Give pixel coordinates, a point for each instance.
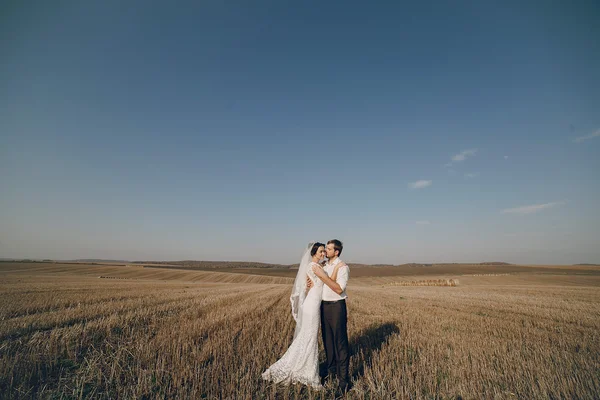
(342, 388)
(341, 391)
(328, 376)
(328, 379)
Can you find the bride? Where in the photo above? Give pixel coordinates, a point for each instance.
(300, 363)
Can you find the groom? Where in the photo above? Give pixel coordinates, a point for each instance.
(334, 315)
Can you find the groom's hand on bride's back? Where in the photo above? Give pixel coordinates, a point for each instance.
(309, 282)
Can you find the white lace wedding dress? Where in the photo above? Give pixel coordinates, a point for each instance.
(300, 363)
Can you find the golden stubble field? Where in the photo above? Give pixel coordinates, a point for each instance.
(158, 333)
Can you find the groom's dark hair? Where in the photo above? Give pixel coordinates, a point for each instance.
(337, 245)
(315, 248)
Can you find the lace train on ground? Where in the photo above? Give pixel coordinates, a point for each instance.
(300, 363)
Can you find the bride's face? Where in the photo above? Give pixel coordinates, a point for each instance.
(320, 253)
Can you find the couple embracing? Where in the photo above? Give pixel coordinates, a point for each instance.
(318, 298)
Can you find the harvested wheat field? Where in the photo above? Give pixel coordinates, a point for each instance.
(155, 333)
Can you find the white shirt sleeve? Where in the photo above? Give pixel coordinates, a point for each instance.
(342, 277)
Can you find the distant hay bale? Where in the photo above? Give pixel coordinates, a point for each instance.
(111, 277)
(426, 282)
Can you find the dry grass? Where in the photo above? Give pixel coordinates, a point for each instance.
(66, 333)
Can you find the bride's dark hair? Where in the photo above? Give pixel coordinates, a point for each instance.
(315, 248)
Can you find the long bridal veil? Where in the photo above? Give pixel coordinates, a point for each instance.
(299, 288)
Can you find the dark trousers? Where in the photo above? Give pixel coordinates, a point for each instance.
(334, 321)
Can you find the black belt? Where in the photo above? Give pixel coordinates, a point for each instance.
(332, 302)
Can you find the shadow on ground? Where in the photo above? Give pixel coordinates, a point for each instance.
(364, 345)
(368, 342)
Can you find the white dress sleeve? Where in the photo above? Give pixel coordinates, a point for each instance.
(311, 274)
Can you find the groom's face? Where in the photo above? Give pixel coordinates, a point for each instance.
(330, 251)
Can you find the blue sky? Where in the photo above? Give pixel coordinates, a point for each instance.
(423, 131)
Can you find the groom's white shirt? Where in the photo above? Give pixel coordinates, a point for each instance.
(342, 280)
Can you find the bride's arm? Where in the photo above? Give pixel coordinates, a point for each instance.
(321, 274)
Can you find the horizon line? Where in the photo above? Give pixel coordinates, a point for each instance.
(107, 260)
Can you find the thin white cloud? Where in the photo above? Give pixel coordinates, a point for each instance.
(422, 222)
(462, 156)
(532, 208)
(472, 175)
(520, 234)
(419, 184)
(587, 137)
(535, 234)
(506, 157)
(514, 234)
